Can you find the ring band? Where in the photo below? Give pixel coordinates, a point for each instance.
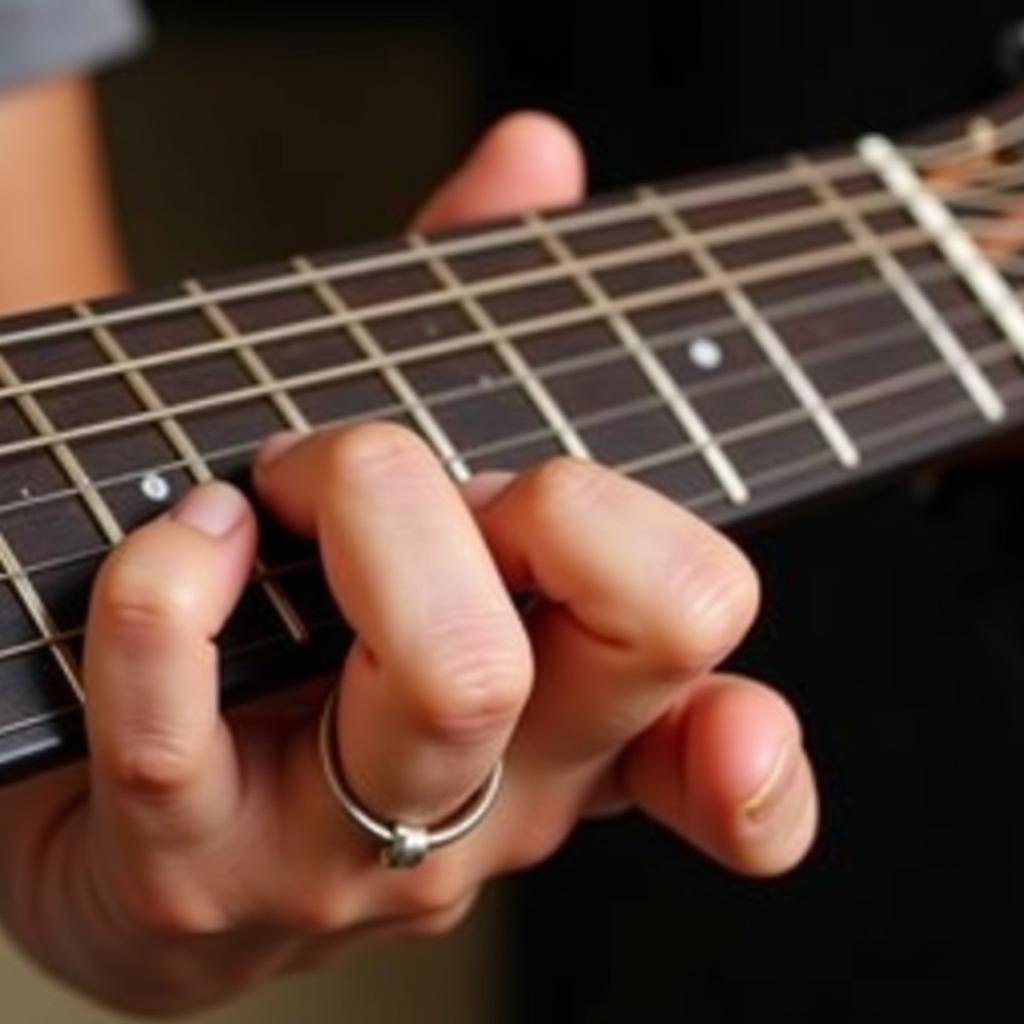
(404, 846)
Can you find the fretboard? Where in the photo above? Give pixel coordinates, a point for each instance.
(741, 342)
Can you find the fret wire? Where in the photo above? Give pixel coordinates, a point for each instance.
(199, 468)
(919, 376)
(874, 439)
(39, 614)
(765, 184)
(414, 303)
(830, 298)
(917, 303)
(831, 256)
(23, 572)
(46, 433)
(397, 382)
(898, 384)
(250, 359)
(172, 430)
(766, 337)
(544, 402)
(823, 355)
(826, 300)
(653, 369)
(738, 232)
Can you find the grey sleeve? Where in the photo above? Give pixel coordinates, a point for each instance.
(39, 38)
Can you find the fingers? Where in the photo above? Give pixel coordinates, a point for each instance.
(162, 760)
(641, 597)
(726, 770)
(527, 161)
(442, 668)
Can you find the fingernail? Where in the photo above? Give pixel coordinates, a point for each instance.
(213, 508)
(483, 488)
(777, 782)
(275, 446)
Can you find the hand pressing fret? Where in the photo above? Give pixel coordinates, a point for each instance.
(197, 854)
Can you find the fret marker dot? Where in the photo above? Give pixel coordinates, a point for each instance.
(705, 354)
(155, 487)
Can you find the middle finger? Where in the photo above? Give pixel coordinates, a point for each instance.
(442, 666)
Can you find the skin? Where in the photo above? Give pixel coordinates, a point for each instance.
(57, 241)
(195, 855)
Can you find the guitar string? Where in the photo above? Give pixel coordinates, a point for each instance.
(693, 198)
(907, 428)
(421, 352)
(552, 273)
(482, 240)
(380, 411)
(962, 403)
(964, 147)
(907, 380)
(766, 228)
(856, 345)
(786, 269)
(825, 301)
(775, 474)
(496, 237)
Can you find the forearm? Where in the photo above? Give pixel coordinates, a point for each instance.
(57, 240)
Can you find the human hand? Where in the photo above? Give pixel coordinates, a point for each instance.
(197, 854)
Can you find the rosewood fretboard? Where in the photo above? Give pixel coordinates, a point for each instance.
(738, 342)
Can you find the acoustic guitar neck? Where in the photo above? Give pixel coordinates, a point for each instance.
(742, 342)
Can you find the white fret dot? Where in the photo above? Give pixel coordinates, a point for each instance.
(155, 487)
(705, 354)
(26, 493)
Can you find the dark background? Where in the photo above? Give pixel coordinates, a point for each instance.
(251, 131)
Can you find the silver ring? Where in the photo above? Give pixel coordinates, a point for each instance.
(404, 846)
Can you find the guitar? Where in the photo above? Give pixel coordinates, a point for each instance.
(743, 341)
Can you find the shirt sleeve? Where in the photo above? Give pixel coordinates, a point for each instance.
(41, 38)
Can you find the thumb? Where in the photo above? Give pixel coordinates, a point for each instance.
(525, 162)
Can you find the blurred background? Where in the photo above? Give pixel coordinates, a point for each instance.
(249, 131)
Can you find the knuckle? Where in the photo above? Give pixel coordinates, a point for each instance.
(716, 593)
(437, 888)
(314, 911)
(474, 678)
(444, 922)
(149, 766)
(564, 482)
(172, 912)
(372, 451)
(137, 604)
